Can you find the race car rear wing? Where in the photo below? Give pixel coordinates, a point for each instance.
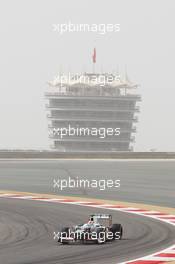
(97, 217)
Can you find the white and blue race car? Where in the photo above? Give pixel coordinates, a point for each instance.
(98, 229)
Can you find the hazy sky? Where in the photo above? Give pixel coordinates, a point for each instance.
(31, 53)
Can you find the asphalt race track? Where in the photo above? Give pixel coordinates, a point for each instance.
(150, 182)
(26, 227)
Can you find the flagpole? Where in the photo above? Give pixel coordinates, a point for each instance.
(93, 67)
(93, 60)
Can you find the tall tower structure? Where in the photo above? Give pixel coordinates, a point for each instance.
(81, 101)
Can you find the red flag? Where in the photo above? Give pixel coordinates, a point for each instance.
(94, 56)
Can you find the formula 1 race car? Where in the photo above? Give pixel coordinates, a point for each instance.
(98, 229)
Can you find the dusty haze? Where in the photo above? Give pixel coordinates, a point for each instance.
(32, 53)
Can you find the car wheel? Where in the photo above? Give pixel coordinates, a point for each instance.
(65, 233)
(117, 231)
(100, 240)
